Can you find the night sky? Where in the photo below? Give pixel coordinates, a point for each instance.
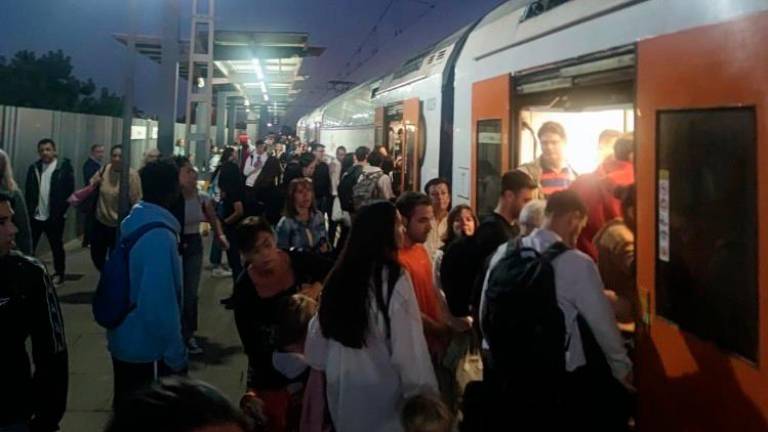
(83, 28)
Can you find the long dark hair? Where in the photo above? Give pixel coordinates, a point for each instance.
(453, 215)
(290, 210)
(371, 247)
(225, 156)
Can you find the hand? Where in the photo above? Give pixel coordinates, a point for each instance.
(223, 242)
(96, 179)
(311, 290)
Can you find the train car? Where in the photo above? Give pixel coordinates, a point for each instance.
(348, 119)
(689, 77)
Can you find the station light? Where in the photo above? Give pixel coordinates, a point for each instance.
(263, 87)
(266, 97)
(258, 69)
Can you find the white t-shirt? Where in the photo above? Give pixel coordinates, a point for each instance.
(43, 211)
(367, 387)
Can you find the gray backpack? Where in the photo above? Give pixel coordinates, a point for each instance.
(366, 189)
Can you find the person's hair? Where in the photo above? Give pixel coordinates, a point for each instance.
(361, 153)
(516, 181)
(408, 201)
(290, 210)
(552, 127)
(159, 182)
(426, 413)
(175, 405)
(608, 134)
(306, 159)
(437, 181)
(347, 296)
(347, 162)
(453, 215)
(45, 141)
(248, 229)
(117, 147)
(532, 214)
(95, 146)
(563, 202)
(259, 143)
(375, 159)
(6, 172)
(316, 146)
(341, 148)
(624, 147)
(297, 312)
(627, 196)
(5, 197)
(181, 161)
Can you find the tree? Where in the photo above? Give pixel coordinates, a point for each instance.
(47, 82)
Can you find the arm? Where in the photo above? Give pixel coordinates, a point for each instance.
(210, 214)
(68, 182)
(385, 187)
(236, 215)
(49, 352)
(453, 322)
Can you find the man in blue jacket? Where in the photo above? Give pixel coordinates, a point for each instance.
(148, 344)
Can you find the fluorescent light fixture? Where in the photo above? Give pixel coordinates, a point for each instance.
(263, 87)
(247, 102)
(257, 68)
(266, 97)
(251, 84)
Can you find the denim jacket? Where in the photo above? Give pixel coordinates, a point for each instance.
(307, 236)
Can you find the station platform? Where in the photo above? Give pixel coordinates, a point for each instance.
(90, 368)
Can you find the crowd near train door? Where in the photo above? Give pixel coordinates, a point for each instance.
(702, 109)
(398, 131)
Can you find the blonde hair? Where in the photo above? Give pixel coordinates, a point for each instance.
(6, 172)
(426, 413)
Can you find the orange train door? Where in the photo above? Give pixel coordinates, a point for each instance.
(411, 177)
(702, 101)
(490, 140)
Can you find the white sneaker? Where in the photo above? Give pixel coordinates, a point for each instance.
(220, 272)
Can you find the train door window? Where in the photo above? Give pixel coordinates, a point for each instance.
(706, 263)
(395, 144)
(488, 165)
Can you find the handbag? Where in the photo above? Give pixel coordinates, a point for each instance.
(81, 195)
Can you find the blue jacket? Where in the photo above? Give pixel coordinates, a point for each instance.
(152, 331)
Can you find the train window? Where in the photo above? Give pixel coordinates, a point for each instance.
(706, 262)
(488, 165)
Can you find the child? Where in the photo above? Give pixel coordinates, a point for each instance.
(426, 414)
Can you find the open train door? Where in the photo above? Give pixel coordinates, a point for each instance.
(702, 133)
(411, 178)
(491, 129)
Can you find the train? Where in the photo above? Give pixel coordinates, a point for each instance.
(690, 79)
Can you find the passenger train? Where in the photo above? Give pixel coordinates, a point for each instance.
(690, 78)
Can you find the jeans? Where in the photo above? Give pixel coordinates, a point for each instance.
(54, 232)
(102, 243)
(233, 253)
(192, 263)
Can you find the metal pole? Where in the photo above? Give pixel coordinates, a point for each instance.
(169, 81)
(130, 62)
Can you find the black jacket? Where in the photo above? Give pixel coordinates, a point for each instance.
(322, 181)
(62, 186)
(29, 309)
(90, 167)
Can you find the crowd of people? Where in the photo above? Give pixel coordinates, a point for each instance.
(357, 309)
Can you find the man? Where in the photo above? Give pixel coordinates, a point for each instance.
(579, 292)
(335, 168)
(439, 192)
(29, 310)
(90, 168)
(232, 211)
(550, 171)
(148, 343)
(605, 144)
(372, 167)
(262, 172)
(596, 190)
(416, 211)
(50, 181)
(323, 185)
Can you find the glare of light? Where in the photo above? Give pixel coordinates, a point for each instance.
(257, 68)
(252, 84)
(263, 87)
(200, 82)
(269, 124)
(247, 102)
(266, 97)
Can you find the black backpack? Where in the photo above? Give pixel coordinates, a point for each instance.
(346, 188)
(523, 323)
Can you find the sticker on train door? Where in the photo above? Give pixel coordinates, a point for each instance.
(664, 215)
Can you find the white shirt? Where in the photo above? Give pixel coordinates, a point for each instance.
(366, 387)
(579, 291)
(43, 202)
(252, 169)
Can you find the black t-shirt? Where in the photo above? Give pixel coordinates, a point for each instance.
(258, 318)
(231, 185)
(321, 179)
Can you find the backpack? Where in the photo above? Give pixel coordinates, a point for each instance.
(112, 302)
(522, 321)
(366, 189)
(346, 186)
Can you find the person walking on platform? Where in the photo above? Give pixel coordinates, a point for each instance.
(214, 190)
(148, 344)
(439, 191)
(232, 211)
(31, 399)
(50, 181)
(303, 226)
(91, 166)
(192, 209)
(369, 330)
(20, 214)
(323, 184)
(262, 172)
(108, 205)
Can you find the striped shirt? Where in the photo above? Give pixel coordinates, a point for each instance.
(552, 181)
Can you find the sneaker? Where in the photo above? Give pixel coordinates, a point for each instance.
(58, 279)
(221, 273)
(193, 347)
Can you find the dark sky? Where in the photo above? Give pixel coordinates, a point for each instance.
(83, 28)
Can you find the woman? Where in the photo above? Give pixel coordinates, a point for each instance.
(368, 336)
(20, 216)
(261, 294)
(107, 205)
(193, 209)
(302, 226)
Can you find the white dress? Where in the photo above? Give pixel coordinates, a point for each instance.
(367, 387)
